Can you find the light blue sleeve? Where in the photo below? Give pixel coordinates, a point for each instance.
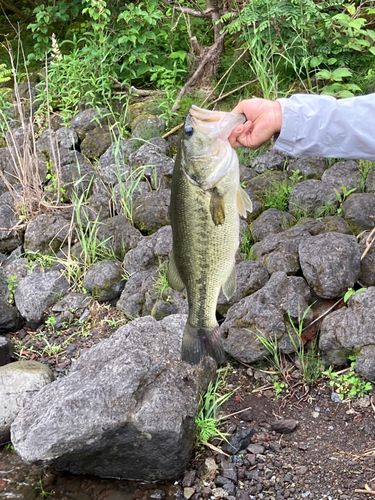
(320, 125)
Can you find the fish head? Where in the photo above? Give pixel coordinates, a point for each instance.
(206, 151)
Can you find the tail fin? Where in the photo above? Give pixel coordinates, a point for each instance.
(199, 342)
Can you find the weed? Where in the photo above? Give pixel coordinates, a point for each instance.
(160, 282)
(12, 284)
(246, 244)
(51, 349)
(272, 346)
(342, 197)
(9, 447)
(350, 292)
(278, 387)
(51, 322)
(364, 167)
(206, 420)
(348, 385)
(42, 492)
(277, 195)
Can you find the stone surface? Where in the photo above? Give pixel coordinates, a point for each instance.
(96, 142)
(125, 410)
(328, 224)
(343, 173)
(6, 351)
(146, 126)
(351, 330)
(118, 235)
(10, 318)
(270, 221)
(251, 276)
(105, 280)
(330, 263)
(359, 212)
(269, 160)
(310, 197)
(38, 291)
(10, 239)
(279, 252)
(46, 234)
(309, 168)
(19, 383)
(151, 211)
(266, 313)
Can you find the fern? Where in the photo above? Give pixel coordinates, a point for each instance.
(4, 73)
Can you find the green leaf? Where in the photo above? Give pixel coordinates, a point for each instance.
(331, 60)
(180, 54)
(324, 74)
(340, 73)
(315, 61)
(342, 17)
(344, 94)
(371, 34)
(372, 50)
(357, 23)
(350, 8)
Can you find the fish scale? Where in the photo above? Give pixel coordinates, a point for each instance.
(205, 225)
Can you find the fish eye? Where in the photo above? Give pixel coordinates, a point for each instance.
(189, 130)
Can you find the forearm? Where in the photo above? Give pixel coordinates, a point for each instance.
(318, 125)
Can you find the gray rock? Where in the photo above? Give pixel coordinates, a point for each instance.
(138, 296)
(367, 273)
(19, 383)
(125, 410)
(279, 252)
(46, 234)
(284, 426)
(10, 318)
(150, 251)
(344, 173)
(9, 238)
(271, 221)
(37, 292)
(96, 142)
(118, 235)
(351, 330)
(88, 119)
(239, 441)
(157, 168)
(151, 211)
(310, 196)
(359, 212)
(310, 168)
(50, 141)
(6, 351)
(77, 175)
(251, 276)
(74, 301)
(269, 160)
(326, 224)
(105, 280)
(370, 181)
(330, 263)
(146, 126)
(267, 313)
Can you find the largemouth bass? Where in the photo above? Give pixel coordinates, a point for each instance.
(206, 201)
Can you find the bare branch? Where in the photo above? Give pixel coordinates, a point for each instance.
(7, 5)
(190, 12)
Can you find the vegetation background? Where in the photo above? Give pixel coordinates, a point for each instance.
(92, 52)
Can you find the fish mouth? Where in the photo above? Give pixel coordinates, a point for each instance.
(218, 123)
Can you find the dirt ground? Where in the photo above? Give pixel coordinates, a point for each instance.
(329, 454)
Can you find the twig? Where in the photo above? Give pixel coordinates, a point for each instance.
(369, 241)
(214, 448)
(369, 492)
(323, 314)
(232, 92)
(131, 89)
(190, 12)
(225, 417)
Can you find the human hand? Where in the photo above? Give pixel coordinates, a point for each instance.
(264, 119)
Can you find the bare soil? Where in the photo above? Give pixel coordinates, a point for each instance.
(329, 455)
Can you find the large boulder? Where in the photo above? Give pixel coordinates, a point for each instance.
(19, 382)
(125, 410)
(268, 313)
(351, 330)
(330, 263)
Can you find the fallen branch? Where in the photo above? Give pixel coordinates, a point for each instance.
(369, 241)
(188, 11)
(209, 56)
(369, 492)
(132, 90)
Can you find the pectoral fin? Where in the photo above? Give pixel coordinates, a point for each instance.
(174, 278)
(217, 208)
(230, 285)
(243, 202)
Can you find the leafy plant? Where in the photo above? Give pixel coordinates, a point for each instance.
(348, 385)
(42, 492)
(342, 197)
(277, 196)
(350, 292)
(206, 420)
(160, 282)
(12, 284)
